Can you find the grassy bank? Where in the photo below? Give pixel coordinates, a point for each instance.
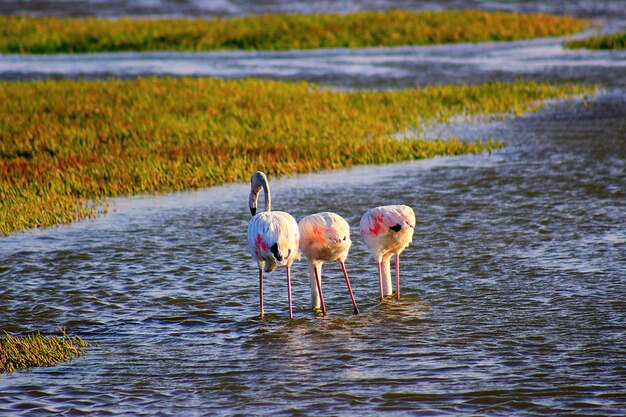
(64, 145)
(48, 35)
(35, 350)
(601, 42)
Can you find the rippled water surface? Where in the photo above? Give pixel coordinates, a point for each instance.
(514, 290)
(212, 8)
(403, 67)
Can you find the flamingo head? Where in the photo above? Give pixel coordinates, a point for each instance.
(276, 253)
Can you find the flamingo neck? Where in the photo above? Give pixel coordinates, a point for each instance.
(268, 196)
(258, 182)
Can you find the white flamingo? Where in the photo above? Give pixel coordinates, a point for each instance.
(273, 237)
(325, 237)
(387, 230)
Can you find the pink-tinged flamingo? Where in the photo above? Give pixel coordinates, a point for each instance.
(387, 230)
(325, 237)
(273, 237)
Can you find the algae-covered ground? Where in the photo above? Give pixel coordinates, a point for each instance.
(49, 35)
(600, 42)
(65, 145)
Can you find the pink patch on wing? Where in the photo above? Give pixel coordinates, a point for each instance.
(318, 234)
(378, 220)
(261, 244)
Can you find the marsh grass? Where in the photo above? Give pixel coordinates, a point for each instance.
(34, 350)
(67, 145)
(601, 42)
(49, 35)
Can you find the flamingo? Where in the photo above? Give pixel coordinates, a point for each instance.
(273, 237)
(325, 237)
(387, 231)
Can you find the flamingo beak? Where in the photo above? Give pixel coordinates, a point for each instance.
(253, 210)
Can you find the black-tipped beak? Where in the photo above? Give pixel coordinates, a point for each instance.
(253, 210)
(356, 310)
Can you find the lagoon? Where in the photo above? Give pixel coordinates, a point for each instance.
(514, 287)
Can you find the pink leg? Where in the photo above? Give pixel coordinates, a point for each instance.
(319, 289)
(345, 275)
(380, 282)
(289, 292)
(262, 311)
(398, 276)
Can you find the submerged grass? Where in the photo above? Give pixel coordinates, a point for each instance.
(600, 42)
(65, 145)
(34, 350)
(49, 35)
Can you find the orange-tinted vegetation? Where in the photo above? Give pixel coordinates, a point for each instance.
(66, 145)
(49, 35)
(24, 352)
(613, 41)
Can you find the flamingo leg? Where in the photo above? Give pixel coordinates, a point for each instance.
(380, 282)
(345, 275)
(398, 276)
(261, 310)
(319, 289)
(289, 292)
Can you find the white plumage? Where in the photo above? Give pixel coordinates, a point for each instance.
(325, 237)
(387, 231)
(273, 237)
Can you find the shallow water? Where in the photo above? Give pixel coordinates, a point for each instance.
(513, 291)
(380, 68)
(594, 9)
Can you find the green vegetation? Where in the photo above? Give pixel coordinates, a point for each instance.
(37, 350)
(64, 145)
(613, 41)
(48, 35)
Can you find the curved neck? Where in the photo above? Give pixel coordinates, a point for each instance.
(267, 195)
(258, 182)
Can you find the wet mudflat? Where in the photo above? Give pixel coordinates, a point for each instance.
(513, 291)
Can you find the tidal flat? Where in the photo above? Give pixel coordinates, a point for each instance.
(613, 41)
(65, 145)
(52, 35)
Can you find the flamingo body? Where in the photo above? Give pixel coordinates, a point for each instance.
(325, 237)
(387, 231)
(273, 237)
